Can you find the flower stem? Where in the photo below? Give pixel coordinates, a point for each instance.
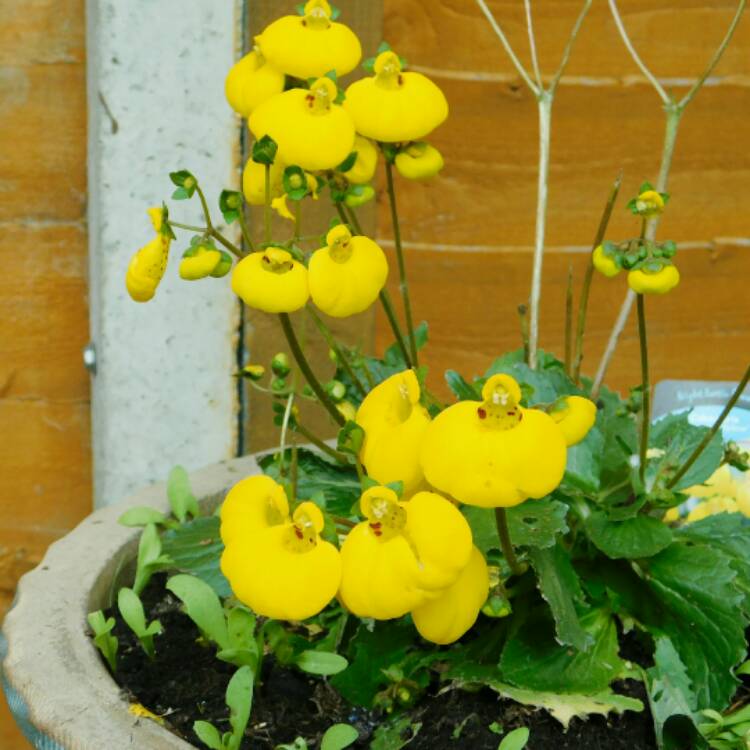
(222, 240)
(244, 228)
(712, 431)
(645, 388)
(353, 220)
(304, 366)
(387, 302)
(267, 204)
(569, 322)
(501, 520)
(318, 443)
(523, 316)
(189, 227)
(403, 282)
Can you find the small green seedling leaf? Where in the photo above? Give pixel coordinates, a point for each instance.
(338, 737)
(150, 558)
(208, 734)
(515, 740)
(181, 498)
(103, 638)
(131, 609)
(142, 516)
(298, 744)
(240, 701)
(202, 606)
(321, 662)
(245, 649)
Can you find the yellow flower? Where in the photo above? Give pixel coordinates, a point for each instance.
(403, 554)
(649, 203)
(359, 196)
(494, 453)
(147, 266)
(250, 82)
(393, 105)
(254, 182)
(347, 275)
(575, 416)
(363, 169)
(311, 45)
(276, 565)
(347, 410)
(604, 263)
(712, 507)
(419, 161)
(271, 281)
(446, 618)
(311, 130)
(394, 423)
(644, 281)
(199, 262)
(281, 206)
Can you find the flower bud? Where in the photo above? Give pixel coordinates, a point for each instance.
(336, 390)
(280, 364)
(253, 372)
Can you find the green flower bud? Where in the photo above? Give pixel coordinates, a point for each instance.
(336, 390)
(280, 364)
(253, 372)
(278, 385)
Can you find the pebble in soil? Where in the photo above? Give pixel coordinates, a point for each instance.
(186, 683)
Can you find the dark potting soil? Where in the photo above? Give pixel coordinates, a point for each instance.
(186, 683)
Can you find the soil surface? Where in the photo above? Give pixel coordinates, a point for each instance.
(186, 683)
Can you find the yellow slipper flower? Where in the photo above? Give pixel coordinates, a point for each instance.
(284, 571)
(494, 453)
(575, 416)
(394, 423)
(403, 554)
(394, 105)
(311, 45)
(419, 161)
(446, 618)
(271, 281)
(250, 82)
(363, 169)
(649, 203)
(147, 266)
(199, 262)
(253, 505)
(254, 182)
(310, 129)
(645, 281)
(605, 264)
(347, 275)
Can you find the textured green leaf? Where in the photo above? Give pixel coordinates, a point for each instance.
(533, 659)
(195, 547)
(338, 737)
(584, 464)
(208, 734)
(240, 701)
(641, 536)
(141, 516)
(464, 391)
(515, 740)
(395, 734)
(321, 662)
(202, 605)
(181, 498)
(561, 589)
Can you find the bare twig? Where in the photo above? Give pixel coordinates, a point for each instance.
(532, 43)
(569, 47)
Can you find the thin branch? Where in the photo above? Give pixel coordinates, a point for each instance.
(715, 59)
(569, 47)
(665, 97)
(506, 45)
(532, 43)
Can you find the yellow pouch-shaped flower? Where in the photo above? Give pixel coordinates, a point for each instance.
(347, 275)
(605, 264)
(147, 266)
(445, 619)
(254, 182)
(403, 554)
(311, 130)
(643, 281)
(419, 161)
(394, 105)
(199, 262)
(394, 423)
(250, 82)
(284, 571)
(494, 453)
(575, 416)
(311, 45)
(363, 169)
(271, 281)
(253, 505)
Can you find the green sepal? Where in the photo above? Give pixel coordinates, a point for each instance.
(224, 266)
(166, 227)
(264, 150)
(186, 184)
(350, 439)
(397, 487)
(230, 205)
(644, 187)
(295, 193)
(348, 163)
(390, 152)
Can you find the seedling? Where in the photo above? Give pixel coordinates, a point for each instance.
(150, 558)
(103, 638)
(131, 609)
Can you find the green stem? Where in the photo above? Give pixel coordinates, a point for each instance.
(204, 205)
(403, 281)
(353, 220)
(569, 322)
(318, 443)
(523, 316)
(645, 387)
(325, 332)
(501, 520)
(295, 469)
(245, 230)
(387, 302)
(297, 220)
(304, 366)
(267, 204)
(712, 431)
(189, 227)
(222, 240)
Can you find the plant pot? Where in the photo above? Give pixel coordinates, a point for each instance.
(58, 688)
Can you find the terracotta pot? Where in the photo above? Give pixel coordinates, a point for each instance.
(57, 686)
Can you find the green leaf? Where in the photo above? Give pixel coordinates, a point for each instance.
(186, 184)
(150, 558)
(641, 536)
(669, 690)
(202, 606)
(584, 464)
(240, 700)
(348, 163)
(463, 390)
(106, 643)
(208, 734)
(244, 647)
(321, 662)
(141, 516)
(393, 353)
(533, 659)
(515, 740)
(395, 734)
(338, 737)
(181, 498)
(195, 547)
(543, 385)
(131, 609)
(561, 589)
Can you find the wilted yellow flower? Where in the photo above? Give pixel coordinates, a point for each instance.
(311, 45)
(394, 423)
(250, 82)
(393, 105)
(347, 275)
(271, 280)
(419, 161)
(147, 266)
(661, 281)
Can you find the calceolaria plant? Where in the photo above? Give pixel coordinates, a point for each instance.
(522, 538)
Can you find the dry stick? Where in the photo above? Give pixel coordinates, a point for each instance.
(674, 112)
(532, 43)
(714, 429)
(545, 98)
(569, 322)
(589, 276)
